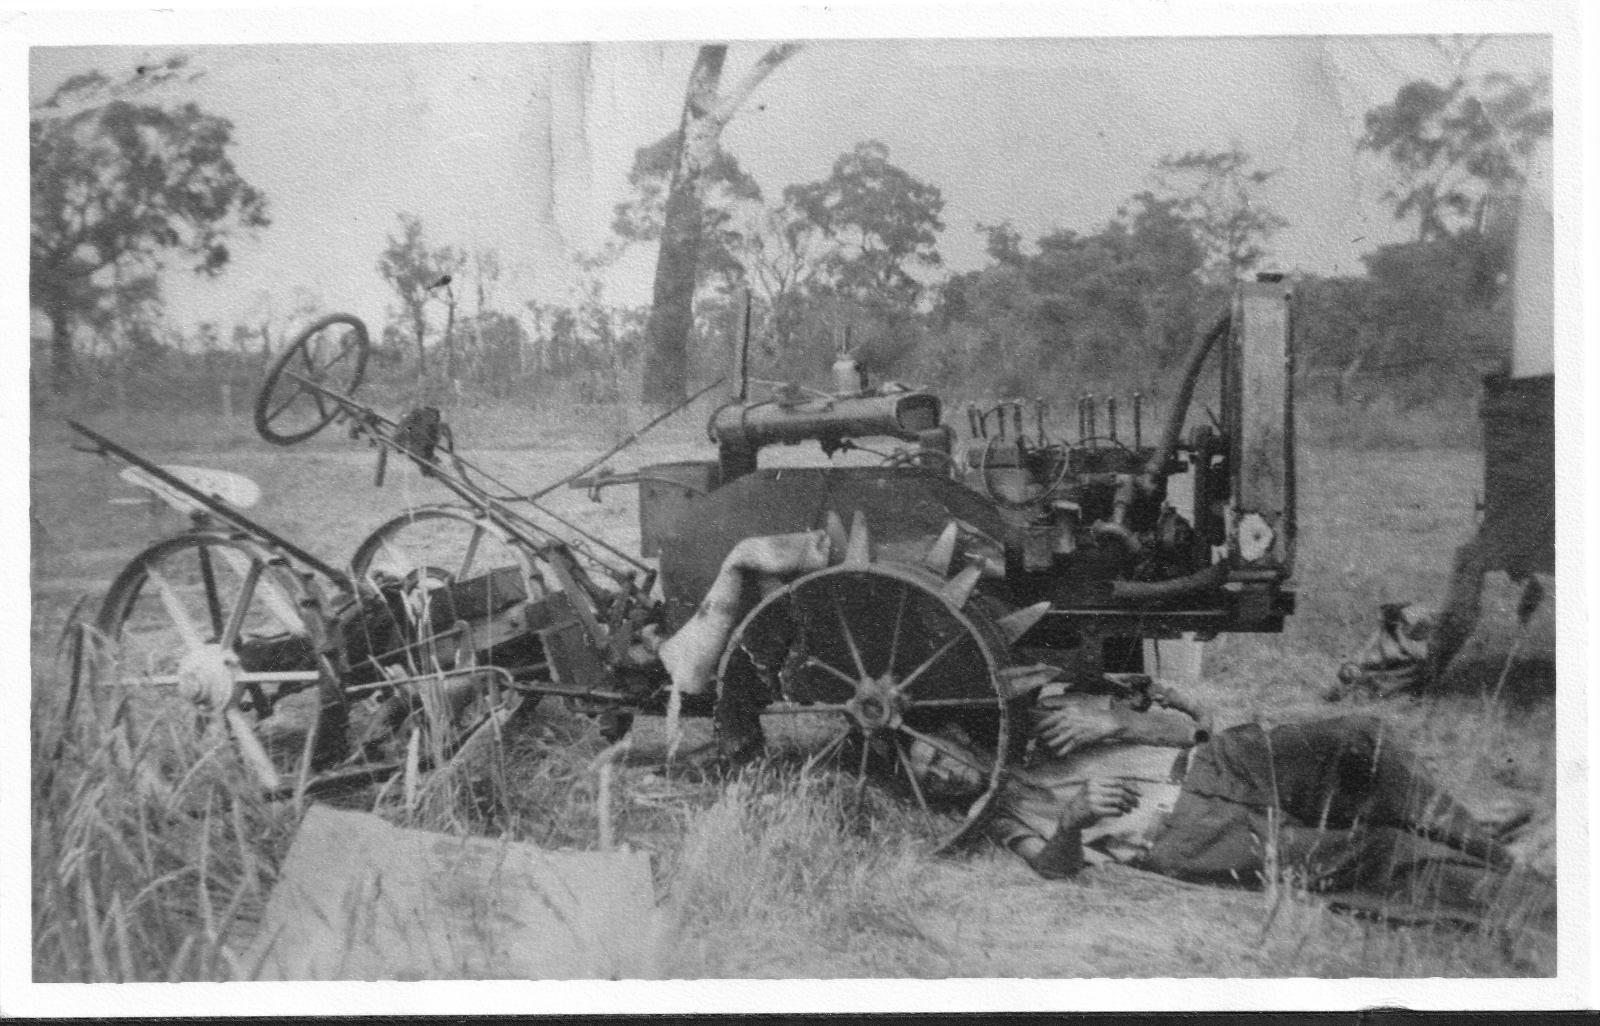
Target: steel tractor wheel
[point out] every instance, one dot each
(909, 669)
(220, 632)
(331, 352)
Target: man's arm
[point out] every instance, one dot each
(1062, 856)
(1182, 723)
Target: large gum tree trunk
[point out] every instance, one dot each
(666, 368)
(671, 318)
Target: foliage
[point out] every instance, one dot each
(881, 222)
(1214, 192)
(1429, 316)
(783, 257)
(1424, 323)
(416, 270)
(725, 187)
(833, 257)
(1116, 304)
(119, 186)
(1456, 147)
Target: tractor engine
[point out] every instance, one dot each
(1114, 529)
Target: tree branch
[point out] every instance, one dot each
(729, 104)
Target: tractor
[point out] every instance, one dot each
(916, 608)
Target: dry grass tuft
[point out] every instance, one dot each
(151, 857)
(787, 873)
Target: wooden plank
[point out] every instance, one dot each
(1262, 492)
(360, 899)
(1263, 396)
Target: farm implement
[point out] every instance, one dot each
(915, 609)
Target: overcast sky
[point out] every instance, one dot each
(524, 148)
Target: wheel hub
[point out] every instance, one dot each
(208, 676)
(877, 704)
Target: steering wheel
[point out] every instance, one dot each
(286, 411)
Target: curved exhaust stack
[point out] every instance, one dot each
(1172, 432)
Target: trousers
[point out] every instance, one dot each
(1343, 808)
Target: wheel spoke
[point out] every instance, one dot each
(861, 770)
(833, 671)
(282, 606)
(803, 709)
(899, 618)
(273, 413)
(254, 752)
(174, 607)
(911, 774)
(208, 577)
(849, 638)
(316, 374)
(955, 752)
(247, 593)
(827, 750)
(472, 550)
(920, 670)
(260, 677)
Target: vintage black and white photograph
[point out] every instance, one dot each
(793, 508)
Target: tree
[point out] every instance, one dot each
(1437, 329)
(725, 188)
(1004, 244)
(265, 319)
(1456, 147)
(782, 255)
(705, 114)
(1114, 305)
(415, 271)
(118, 186)
(880, 220)
(1215, 192)
(499, 341)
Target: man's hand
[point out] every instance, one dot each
(1069, 729)
(1101, 798)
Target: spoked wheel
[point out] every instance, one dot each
(333, 353)
(450, 565)
(220, 632)
(459, 586)
(908, 671)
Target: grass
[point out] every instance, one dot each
(149, 848)
(776, 874)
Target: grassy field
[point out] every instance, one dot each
(775, 875)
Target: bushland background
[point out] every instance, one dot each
(133, 185)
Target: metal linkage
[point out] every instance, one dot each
(222, 510)
(369, 423)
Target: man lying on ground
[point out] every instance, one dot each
(1338, 806)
